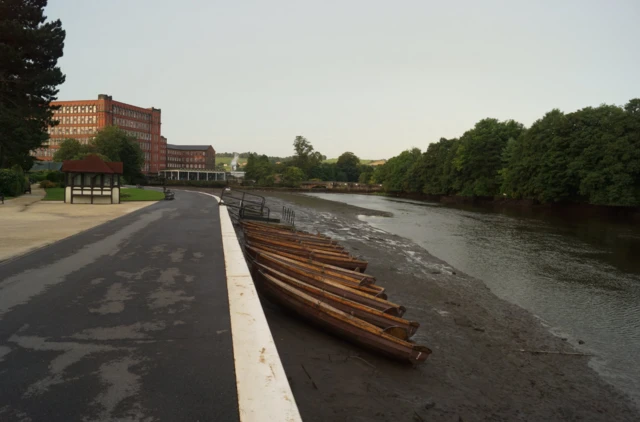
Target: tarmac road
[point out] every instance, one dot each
(127, 321)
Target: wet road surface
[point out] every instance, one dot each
(128, 321)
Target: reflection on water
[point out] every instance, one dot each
(580, 275)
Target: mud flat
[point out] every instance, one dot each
(477, 371)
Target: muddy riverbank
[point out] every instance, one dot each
(477, 370)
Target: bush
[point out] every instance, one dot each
(13, 182)
(55, 176)
(47, 184)
(39, 176)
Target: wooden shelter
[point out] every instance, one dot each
(92, 181)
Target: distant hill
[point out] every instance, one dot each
(226, 158)
(335, 160)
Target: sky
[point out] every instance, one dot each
(367, 76)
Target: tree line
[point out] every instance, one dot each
(273, 159)
(589, 156)
(305, 164)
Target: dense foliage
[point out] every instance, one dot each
(588, 156)
(29, 51)
(13, 181)
(305, 164)
(110, 144)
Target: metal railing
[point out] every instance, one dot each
(288, 216)
(245, 205)
(249, 206)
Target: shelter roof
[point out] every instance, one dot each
(91, 164)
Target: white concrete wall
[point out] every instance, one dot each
(83, 196)
(264, 394)
(97, 200)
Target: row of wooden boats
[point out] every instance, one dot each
(314, 276)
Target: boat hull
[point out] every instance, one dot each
(340, 323)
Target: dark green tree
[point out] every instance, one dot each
(324, 171)
(588, 156)
(71, 149)
(394, 173)
(114, 143)
(437, 167)
(478, 157)
(305, 158)
(293, 176)
(260, 169)
(366, 174)
(349, 164)
(29, 51)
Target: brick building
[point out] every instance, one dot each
(162, 147)
(201, 157)
(83, 119)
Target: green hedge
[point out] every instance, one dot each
(52, 176)
(13, 182)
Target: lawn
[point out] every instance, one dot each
(54, 194)
(140, 195)
(57, 194)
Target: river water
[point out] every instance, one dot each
(581, 276)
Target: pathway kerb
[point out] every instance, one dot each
(263, 389)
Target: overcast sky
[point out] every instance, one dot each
(367, 76)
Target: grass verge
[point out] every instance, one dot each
(54, 194)
(140, 195)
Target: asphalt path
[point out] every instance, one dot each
(128, 321)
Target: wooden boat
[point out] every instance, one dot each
(317, 278)
(291, 235)
(279, 228)
(361, 278)
(320, 245)
(338, 260)
(396, 326)
(297, 244)
(348, 326)
(351, 291)
(344, 275)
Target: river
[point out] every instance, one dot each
(581, 276)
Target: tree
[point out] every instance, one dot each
(348, 164)
(366, 174)
(324, 171)
(70, 149)
(293, 176)
(437, 163)
(115, 144)
(29, 76)
(305, 157)
(591, 155)
(260, 169)
(479, 156)
(393, 174)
